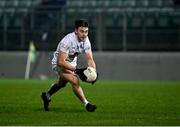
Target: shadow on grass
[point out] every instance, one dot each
(58, 109)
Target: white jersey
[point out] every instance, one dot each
(70, 45)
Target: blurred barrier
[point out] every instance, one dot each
(110, 65)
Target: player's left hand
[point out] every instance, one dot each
(79, 72)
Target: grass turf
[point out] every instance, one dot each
(118, 102)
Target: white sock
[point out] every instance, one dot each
(85, 102)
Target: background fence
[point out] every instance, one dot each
(115, 25)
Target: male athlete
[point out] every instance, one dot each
(64, 64)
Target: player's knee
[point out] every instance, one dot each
(75, 82)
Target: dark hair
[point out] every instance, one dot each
(81, 22)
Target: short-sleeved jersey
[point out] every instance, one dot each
(70, 45)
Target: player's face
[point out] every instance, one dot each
(82, 33)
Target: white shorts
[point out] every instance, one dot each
(56, 69)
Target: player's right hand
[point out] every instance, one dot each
(96, 78)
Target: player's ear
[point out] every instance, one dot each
(75, 30)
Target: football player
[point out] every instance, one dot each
(64, 64)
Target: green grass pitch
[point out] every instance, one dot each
(118, 103)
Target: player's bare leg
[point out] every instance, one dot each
(74, 80)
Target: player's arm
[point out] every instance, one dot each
(62, 56)
(90, 59)
(91, 62)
